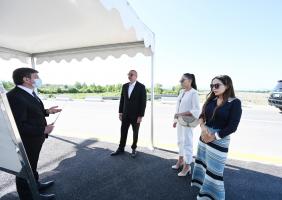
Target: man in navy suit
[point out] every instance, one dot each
(29, 114)
(131, 111)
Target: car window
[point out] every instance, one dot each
(278, 87)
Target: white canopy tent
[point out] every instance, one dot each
(37, 31)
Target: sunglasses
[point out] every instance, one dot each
(216, 86)
(130, 75)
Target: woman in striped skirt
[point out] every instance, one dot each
(220, 118)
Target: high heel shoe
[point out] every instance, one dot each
(184, 173)
(177, 165)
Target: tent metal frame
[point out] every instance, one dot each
(26, 170)
(31, 58)
(93, 49)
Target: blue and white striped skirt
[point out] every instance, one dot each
(209, 168)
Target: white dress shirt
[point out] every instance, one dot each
(130, 88)
(28, 90)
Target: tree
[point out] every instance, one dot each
(158, 89)
(78, 85)
(8, 85)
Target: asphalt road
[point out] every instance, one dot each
(84, 170)
(257, 138)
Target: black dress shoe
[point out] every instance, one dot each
(44, 186)
(133, 154)
(47, 196)
(117, 152)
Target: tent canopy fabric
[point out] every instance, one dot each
(71, 29)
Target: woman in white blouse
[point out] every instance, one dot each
(187, 105)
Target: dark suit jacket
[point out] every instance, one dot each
(28, 112)
(134, 106)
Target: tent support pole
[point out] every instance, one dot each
(152, 102)
(28, 175)
(32, 62)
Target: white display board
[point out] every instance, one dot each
(13, 158)
(9, 157)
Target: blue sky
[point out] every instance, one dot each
(241, 38)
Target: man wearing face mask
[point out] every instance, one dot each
(29, 114)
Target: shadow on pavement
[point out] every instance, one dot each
(93, 174)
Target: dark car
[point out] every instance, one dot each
(275, 98)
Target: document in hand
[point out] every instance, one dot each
(57, 118)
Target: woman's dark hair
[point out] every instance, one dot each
(228, 93)
(20, 73)
(192, 78)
